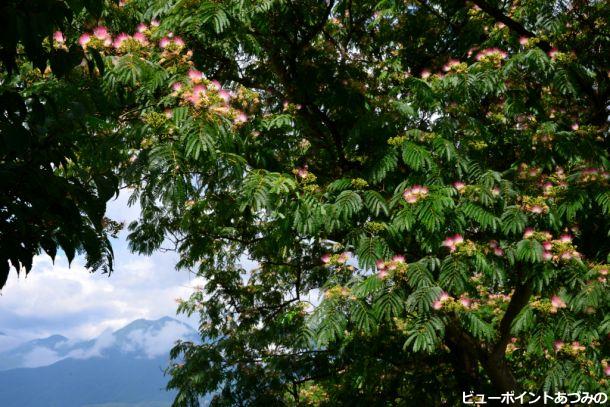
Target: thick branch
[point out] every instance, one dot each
(518, 301)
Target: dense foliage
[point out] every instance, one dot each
(57, 149)
(424, 186)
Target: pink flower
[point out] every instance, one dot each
(199, 90)
(84, 39)
(448, 242)
(450, 64)
(179, 42)
(437, 305)
(459, 186)
(342, 258)
(177, 86)
(58, 37)
(325, 258)
(575, 126)
(425, 74)
(458, 239)
(118, 41)
(302, 172)
(224, 95)
(382, 274)
(603, 271)
(154, 23)
(141, 38)
(195, 75)
(576, 346)
(100, 32)
(537, 209)
(557, 345)
(495, 191)
(466, 302)
(607, 370)
(493, 244)
(443, 297)
(553, 53)
(529, 232)
(557, 302)
(241, 118)
(168, 113)
(398, 258)
(491, 52)
(409, 197)
(566, 256)
(164, 42)
(547, 246)
(380, 264)
(141, 27)
(546, 256)
(215, 85)
(523, 40)
(565, 238)
(498, 252)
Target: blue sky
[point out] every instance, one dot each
(57, 299)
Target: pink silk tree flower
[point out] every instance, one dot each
(224, 95)
(101, 32)
(58, 37)
(120, 39)
(84, 39)
(164, 42)
(141, 38)
(179, 42)
(195, 75)
(398, 258)
(241, 118)
(558, 302)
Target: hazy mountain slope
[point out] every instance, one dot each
(117, 369)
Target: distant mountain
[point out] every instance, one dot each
(117, 369)
(141, 338)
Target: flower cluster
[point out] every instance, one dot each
(555, 250)
(491, 54)
(196, 91)
(453, 242)
(495, 248)
(441, 300)
(415, 193)
(396, 263)
(573, 348)
(335, 259)
(526, 171)
(452, 64)
(338, 292)
(594, 174)
(459, 186)
(557, 303)
(444, 300)
(536, 205)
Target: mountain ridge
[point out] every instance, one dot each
(122, 368)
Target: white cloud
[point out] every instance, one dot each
(68, 300)
(156, 343)
(40, 356)
(104, 341)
